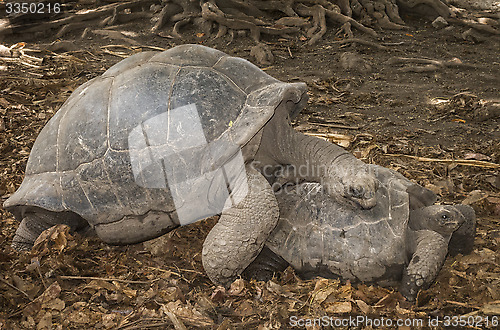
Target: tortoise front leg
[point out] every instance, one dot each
(34, 223)
(430, 252)
(239, 235)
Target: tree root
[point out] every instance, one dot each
(360, 41)
(428, 64)
(475, 25)
(319, 21)
(89, 15)
(441, 8)
(304, 19)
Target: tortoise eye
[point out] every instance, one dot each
(444, 216)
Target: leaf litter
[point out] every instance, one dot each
(68, 281)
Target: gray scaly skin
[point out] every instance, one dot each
(248, 224)
(34, 224)
(337, 170)
(321, 235)
(429, 233)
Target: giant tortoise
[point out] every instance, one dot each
(163, 139)
(404, 239)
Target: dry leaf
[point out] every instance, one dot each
(45, 322)
(364, 307)
(219, 294)
(237, 287)
(474, 197)
(125, 290)
(49, 294)
(274, 287)
(56, 237)
(323, 290)
(172, 293)
(491, 308)
(187, 313)
(245, 309)
(56, 304)
(4, 51)
(100, 284)
(339, 307)
(476, 156)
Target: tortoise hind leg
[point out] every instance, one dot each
(239, 235)
(265, 266)
(34, 223)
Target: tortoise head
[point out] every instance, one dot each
(444, 219)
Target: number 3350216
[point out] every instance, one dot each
(32, 8)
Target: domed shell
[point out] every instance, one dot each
(320, 235)
(111, 149)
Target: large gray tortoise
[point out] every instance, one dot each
(163, 139)
(403, 239)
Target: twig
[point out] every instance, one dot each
(457, 303)
(164, 270)
(335, 125)
(430, 65)
(65, 277)
(16, 288)
(175, 320)
(360, 41)
(465, 162)
(178, 269)
(132, 325)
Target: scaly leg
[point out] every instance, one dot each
(236, 240)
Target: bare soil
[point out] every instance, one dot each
(438, 123)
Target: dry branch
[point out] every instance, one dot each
(465, 162)
(428, 64)
(360, 41)
(86, 278)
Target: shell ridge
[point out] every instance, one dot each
(60, 189)
(139, 215)
(220, 59)
(108, 109)
(78, 167)
(77, 177)
(118, 198)
(170, 101)
(229, 79)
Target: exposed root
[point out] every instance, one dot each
(475, 25)
(346, 30)
(440, 7)
(360, 41)
(164, 15)
(89, 15)
(319, 21)
(428, 65)
(304, 19)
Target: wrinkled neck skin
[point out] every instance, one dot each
(314, 159)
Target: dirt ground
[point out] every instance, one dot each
(437, 123)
